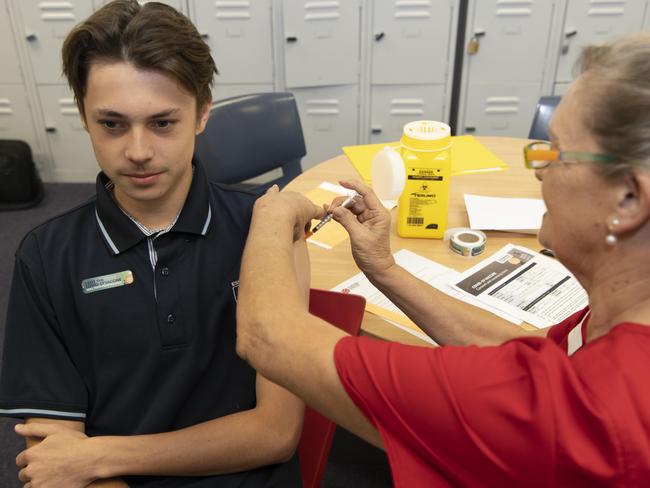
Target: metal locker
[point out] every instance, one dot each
(74, 159)
(177, 4)
(394, 106)
(321, 42)
(512, 37)
(240, 36)
(15, 117)
(10, 72)
(329, 118)
(595, 21)
(410, 41)
(221, 91)
(45, 25)
(501, 109)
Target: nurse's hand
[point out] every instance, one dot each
(368, 223)
(275, 208)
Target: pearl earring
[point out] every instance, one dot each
(610, 238)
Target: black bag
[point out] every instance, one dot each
(20, 185)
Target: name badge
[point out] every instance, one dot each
(99, 283)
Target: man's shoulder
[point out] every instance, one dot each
(234, 203)
(59, 229)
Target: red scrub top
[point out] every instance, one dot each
(525, 413)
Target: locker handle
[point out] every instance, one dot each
(205, 37)
(571, 33)
(31, 37)
(50, 130)
(376, 130)
(292, 39)
(470, 129)
(380, 36)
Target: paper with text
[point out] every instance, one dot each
(526, 284)
(436, 275)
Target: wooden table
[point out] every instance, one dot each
(329, 267)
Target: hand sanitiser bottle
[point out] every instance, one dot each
(422, 166)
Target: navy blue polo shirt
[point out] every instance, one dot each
(134, 334)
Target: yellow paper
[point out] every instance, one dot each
(403, 320)
(467, 156)
(331, 233)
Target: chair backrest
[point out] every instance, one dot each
(543, 113)
(345, 311)
(249, 135)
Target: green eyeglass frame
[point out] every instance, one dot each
(539, 154)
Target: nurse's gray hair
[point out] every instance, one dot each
(614, 89)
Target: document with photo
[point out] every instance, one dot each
(526, 284)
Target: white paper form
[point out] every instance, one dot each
(510, 214)
(535, 288)
(426, 270)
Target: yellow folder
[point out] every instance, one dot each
(467, 156)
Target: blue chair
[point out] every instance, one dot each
(249, 135)
(543, 113)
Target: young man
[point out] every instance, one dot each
(120, 342)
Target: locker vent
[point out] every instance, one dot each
(502, 105)
(514, 8)
(412, 9)
(232, 9)
(323, 10)
(56, 10)
(407, 106)
(68, 107)
(323, 106)
(597, 11)
(5, 106)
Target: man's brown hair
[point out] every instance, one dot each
(153, 36)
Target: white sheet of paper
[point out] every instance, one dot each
(511, 214)
(526, 284)
(428, 271)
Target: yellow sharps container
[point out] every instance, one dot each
(423, 205)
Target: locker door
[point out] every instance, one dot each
(410, 41)
(589, 22)
(46, 23)
(501, 109)
(74, 159)
(329, 119)
(321, 42)
(177, 4)
(394, 106)
(10, 72)
(15, 118)
(513, 40)
(239, 35)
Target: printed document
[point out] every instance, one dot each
(526, 284)
(436, 275)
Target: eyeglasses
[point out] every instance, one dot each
(540, 154)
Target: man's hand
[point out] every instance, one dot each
(60, 459)
(368, 223)
(293, 209)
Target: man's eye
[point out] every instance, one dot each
(110, 124)
(163, 124)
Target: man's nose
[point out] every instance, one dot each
(139, 147)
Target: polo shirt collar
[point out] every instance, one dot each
(121, 233)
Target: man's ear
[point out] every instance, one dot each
(203, 116)
(633, 201)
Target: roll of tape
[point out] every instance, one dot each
(466, 242)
